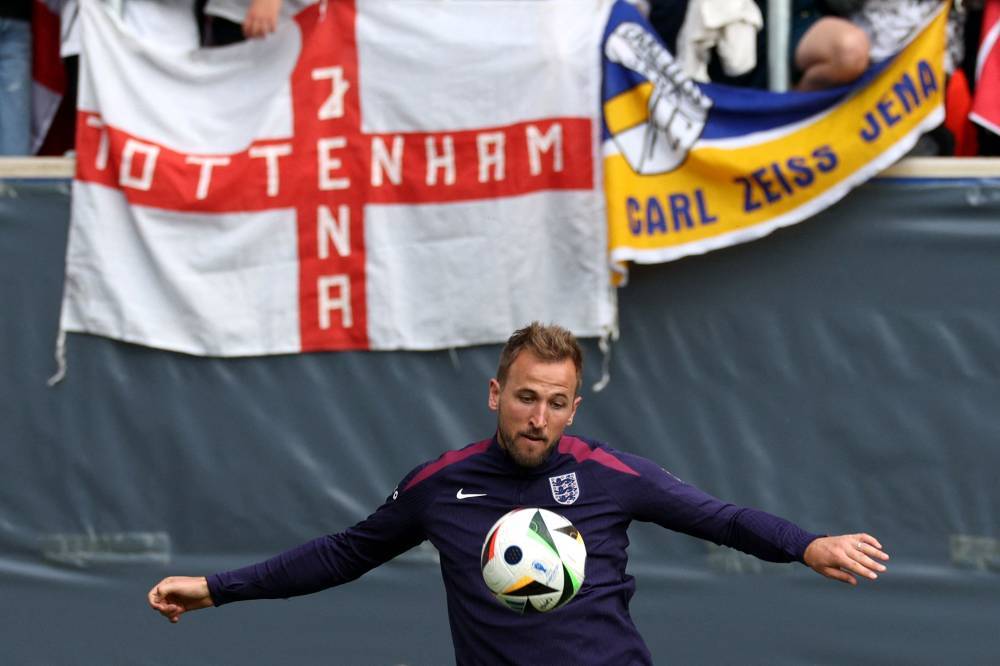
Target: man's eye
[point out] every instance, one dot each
(527, 398)
(558, 405)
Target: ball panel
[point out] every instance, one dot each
(540, 530)
(527, 587)
(570, 531)
(575, 580)
(568, 588)
(488, 546)
(512, 555)
(516, 605)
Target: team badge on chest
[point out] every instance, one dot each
(565, 488)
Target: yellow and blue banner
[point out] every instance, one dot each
(692, 167)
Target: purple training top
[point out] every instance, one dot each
(454, 500)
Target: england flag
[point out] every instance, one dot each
(378, 174)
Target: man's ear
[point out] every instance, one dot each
(494, 397)
(576, 403)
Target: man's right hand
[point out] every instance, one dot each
(261, 18)
(175, 595)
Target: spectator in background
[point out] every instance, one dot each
(668, 17)
(231, 21)
(826, 49)
(171, 24)
(729, 27)
(890, 24)
(15, 77)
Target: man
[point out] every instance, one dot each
(453, 501)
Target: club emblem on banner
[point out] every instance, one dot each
(565, 488)
(677, 109)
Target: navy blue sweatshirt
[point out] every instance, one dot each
(455, 499)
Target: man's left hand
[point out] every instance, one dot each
(839, 557)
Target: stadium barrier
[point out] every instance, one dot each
(842, 373)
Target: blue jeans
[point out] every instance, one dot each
(15, 87)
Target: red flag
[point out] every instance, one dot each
(957, 105)
(986, 100)
(47, 72)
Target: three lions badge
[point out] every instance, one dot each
(565, 488)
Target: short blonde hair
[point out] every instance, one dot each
(550, 343)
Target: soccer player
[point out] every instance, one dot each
(529, 462)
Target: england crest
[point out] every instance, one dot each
(565, 488)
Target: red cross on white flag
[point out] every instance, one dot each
(377, 175)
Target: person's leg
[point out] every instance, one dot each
(15, 87)
(832, 52)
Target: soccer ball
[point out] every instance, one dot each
(533, 560)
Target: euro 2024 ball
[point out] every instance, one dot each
(533, 560)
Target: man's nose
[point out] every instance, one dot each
(539, 416)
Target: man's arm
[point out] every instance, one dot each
(322, 563)
(658, 496)
(330, 560)
(313, 566)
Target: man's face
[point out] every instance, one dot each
(535, 404)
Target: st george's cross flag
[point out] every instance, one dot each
(379, 174)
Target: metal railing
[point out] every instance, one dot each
(22, 168)
(778, 24)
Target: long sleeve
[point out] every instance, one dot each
(657, 496)
(328, 560)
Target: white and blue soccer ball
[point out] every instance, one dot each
(533, 560)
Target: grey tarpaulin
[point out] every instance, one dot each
(844, 373)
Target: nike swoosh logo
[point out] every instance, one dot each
(464, 495)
